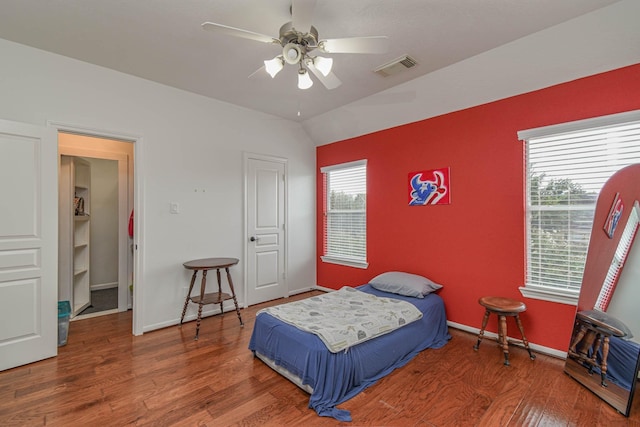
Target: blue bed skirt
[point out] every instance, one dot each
(337, 377)
(621, 362)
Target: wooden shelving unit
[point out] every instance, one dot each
(81, 235)
(74, 242)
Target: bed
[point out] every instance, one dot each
(622, 362)
(332, 378)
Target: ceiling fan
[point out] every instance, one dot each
(298, 39)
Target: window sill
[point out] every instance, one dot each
(552, 295)
(344, 261)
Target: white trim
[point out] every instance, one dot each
(595, 122)
(138, 206)
(300, 291)
(343, 261)
(560, 132)
(138, 237)
(353, 164)
(94, 314)
(337, 259)
(213, 310)
(553, 295)
(535, 347)
(102, 286)
(95, 132)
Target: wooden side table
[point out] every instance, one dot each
(203, 298)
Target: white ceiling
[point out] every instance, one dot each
(162, 41)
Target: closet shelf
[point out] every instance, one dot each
(79, 271)
(74, 256)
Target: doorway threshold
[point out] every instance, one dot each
(96, 314)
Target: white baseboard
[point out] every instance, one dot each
(214, 311)
(230, 309)
(300, 291)
(538, 348)
(95, 314)
(101, 286)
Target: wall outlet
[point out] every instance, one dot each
(174, 208)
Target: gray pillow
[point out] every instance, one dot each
(407, 284)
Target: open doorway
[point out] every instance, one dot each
(95, 206)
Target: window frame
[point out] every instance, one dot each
(337, 259)
(537, 291)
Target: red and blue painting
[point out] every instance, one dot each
(429, 187)
(614, 216)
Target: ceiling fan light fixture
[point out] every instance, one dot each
(292, 53)
(299, 40)
(304, 81)
(323, 64)
(274, 66)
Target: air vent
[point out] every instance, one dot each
(395, 66)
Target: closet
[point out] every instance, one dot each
(74, 229)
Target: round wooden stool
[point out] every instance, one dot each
(503, 307)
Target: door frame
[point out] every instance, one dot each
(138, 205)
(268, 158)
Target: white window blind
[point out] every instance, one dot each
(567, 165)
(345, 216)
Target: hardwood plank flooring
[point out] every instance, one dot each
(105, 376)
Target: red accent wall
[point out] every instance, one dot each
(476, 245)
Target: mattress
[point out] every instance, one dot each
(333, 378)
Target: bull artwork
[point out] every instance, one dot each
(429, 191)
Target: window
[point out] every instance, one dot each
(345, 214)
(567, 165)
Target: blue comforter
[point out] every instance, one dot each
(337, 377)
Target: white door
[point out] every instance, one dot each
(28, 243)
(265, 229)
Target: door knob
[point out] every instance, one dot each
(253, 238)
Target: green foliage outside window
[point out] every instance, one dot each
(561, 220)
(347, 224)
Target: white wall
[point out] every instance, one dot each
(191, 153)
(104, 222)
(599, 41)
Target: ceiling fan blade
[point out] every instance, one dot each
(237, 32)
(302, 14)
(259, 71)
(330, 81)
(373, 44)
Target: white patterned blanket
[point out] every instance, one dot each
(346, 317)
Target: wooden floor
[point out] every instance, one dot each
(105, 376)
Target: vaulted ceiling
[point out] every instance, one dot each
(163, 41)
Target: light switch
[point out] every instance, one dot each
(174, 208)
